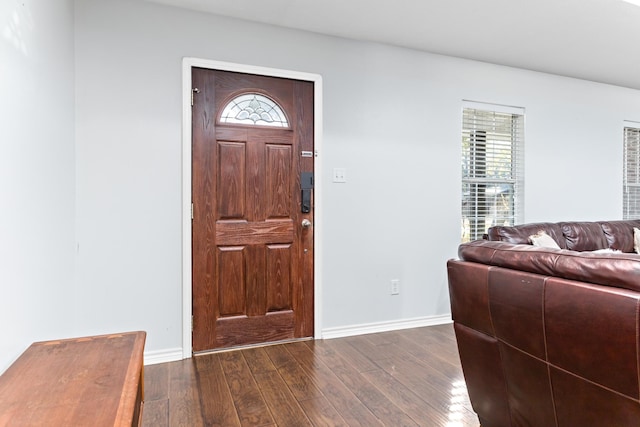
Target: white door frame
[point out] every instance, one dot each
(187, 65)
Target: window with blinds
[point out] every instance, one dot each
(492, 169)
(631, 173)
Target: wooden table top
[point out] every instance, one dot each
(90, 381)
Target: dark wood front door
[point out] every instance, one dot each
(252, 255)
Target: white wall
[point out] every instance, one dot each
(391, 117)
(37, 167)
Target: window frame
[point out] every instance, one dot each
(631, 169)
(489, 131)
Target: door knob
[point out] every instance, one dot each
(306, 223)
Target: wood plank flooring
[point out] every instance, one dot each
(410, 377)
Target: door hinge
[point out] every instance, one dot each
(194, 91)
(192, 211)
(192, 323)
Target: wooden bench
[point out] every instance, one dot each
(91, 381)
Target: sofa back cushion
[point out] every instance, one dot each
(519, 234)
(619, 234)
(583, 236)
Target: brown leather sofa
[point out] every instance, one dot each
(550, 337)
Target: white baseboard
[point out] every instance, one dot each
(174, 354)
(162, 356)
(394, 325)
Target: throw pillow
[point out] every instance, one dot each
(543, 240)
(636, 239)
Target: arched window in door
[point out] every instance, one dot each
(254, 109)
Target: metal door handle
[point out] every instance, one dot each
(306, 223)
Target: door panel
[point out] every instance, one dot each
(252, 259)
(279, 288)
(278, 191)
(231, 280)
(231, 180)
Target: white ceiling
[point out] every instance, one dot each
(596, 40)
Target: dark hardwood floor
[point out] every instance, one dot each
(402, 378)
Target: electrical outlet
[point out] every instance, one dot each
(339, 175)
(395, 287)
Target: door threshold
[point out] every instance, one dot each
(246, 346)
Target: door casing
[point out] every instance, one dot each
(187, 65)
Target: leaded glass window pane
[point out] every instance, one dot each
(254, 109)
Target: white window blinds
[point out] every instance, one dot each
(492, 170)
(631, 173)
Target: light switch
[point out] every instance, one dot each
(339, 175)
